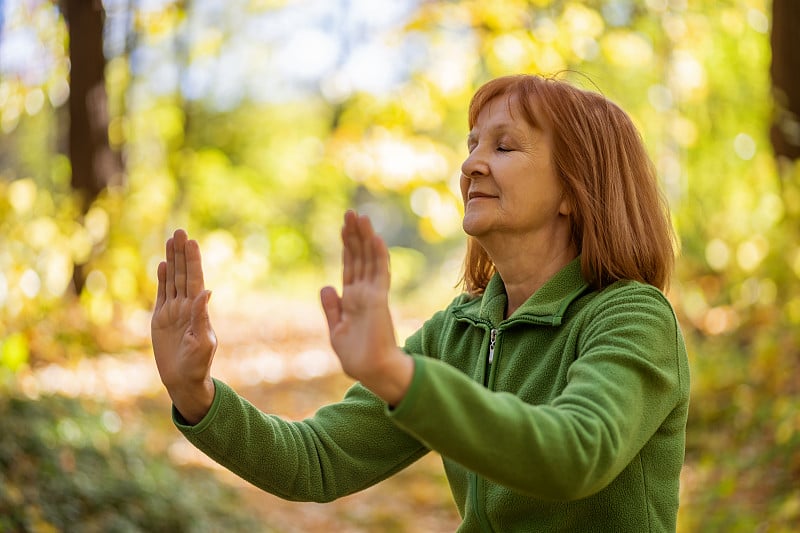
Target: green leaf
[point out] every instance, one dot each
(14, 352)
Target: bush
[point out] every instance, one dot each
(61, 469)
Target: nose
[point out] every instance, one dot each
(474, 166)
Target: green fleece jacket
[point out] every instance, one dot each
(569, 415)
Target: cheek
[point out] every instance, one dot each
(464, 187)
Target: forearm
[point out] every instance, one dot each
(344, 448)
(562, 451)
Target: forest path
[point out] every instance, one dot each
(276, 354)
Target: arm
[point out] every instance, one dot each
(628, 379)
(345, 447)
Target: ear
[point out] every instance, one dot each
(565, 207)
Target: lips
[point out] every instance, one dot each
(477, 194)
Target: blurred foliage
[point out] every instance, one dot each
(65, 466)
(261, 174)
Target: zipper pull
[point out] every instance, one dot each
(492, 338)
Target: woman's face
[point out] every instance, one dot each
(508, 182)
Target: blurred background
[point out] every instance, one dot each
(254, 124)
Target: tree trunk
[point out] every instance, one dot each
(785, 72)
(95, 166)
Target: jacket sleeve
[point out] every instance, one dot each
(345, 447)
(629, 375)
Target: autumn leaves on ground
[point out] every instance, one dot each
(280, 360)
(275, 353)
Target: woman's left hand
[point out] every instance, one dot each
(359, 322)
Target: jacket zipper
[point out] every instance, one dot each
(492, 339)
(476, 488)
(476, 483)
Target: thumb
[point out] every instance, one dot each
(200, 319)
(332, 305)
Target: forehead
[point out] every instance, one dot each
(504, 112)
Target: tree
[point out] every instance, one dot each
(95, 165)
(785, 72)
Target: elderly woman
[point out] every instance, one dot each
(555, 387)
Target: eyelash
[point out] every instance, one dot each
(500, 148)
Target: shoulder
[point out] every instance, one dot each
(628, 292)
(629, 306)
(634, 318)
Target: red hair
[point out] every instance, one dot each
(620, 221)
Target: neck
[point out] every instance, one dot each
(525, 267)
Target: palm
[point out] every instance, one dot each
(365, 326)
(183, 340)
(173, 333)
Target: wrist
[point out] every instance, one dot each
(392, 382)
(193, 403)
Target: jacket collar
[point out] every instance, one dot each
(545, 306)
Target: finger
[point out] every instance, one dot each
(194, 270)
(366, 234)
(332, 305)
(354, 244)
(179, 242)
(348, 256)
(170, 281)
(382, 272)
(161, 293)
(347, 265)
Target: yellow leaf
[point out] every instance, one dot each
(14, 352)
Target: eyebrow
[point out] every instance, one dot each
(501, 127)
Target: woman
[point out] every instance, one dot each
(555, 387)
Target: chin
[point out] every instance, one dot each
(473, 227)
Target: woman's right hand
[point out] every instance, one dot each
(183, 339)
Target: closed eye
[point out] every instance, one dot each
(502, 148)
